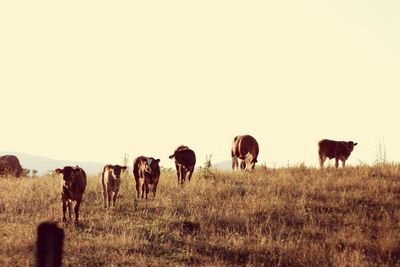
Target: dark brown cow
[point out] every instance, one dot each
(147, 169)
(111, 181)
(340, 150)
(10, 166)
(72, 189)
(185, 160)
(244, 149)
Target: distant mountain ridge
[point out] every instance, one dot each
(44, 165)
(224, 165)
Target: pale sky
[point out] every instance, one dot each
(92, 80)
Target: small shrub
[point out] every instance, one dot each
(206, 171)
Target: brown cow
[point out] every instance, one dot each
(185, 160)
(111, 180)
(9, 165)
(72, 189)
(147, 169)
(340, 150)
(244, 149)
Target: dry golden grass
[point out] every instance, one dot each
(294, 216)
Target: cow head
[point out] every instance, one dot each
(350, 146)
(248, 163)
(149, 165)
(68, 174)
(116, 170)
(249, 166)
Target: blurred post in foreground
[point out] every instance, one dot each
(49, 245)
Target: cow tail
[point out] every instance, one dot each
(135, 170)
(102, 173)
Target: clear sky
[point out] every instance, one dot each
(92, 80)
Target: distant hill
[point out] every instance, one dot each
(43, 165)
(224, 165)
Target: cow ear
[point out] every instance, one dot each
(157, 160)
(108, 166)
(124, 168)
(59, 171)
(355, 144)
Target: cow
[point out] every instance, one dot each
(244, 152)
(10, 166)
(72, 188)
(340, 150)
(146, 168)
(185, 160)
(111, 180)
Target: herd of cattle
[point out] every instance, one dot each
(146, 170)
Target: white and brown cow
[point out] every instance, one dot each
(244, 152)
(146, 171)
(72, 189)
(185, 160)
(111, 181)
(340, 150)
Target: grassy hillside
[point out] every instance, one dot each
(281, 217)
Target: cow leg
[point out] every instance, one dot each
(76, 209)
(104, 198)
(343, 163)
(109, 199)
(190, 174)
(321, 161)
(146, 186)
(64, 209)
(69, 209)
(154, 189)
(183, 173)
(234, 163)
(180, 179)
(253, 165)
(115, 198)
(242, 165)
(178, 172)
(143, 189)
(336, 163)
(137, 188)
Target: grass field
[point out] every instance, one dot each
(295, 216)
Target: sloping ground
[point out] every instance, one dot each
(282, 217)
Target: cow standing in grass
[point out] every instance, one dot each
(340, 150)
(72, 189)
(147, 170)
(185, 160)
(111, 181)
(244, 152)
(9, 165)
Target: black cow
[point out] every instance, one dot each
(72, 189)
(185, 160)
(147, 169)
(340, 150)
